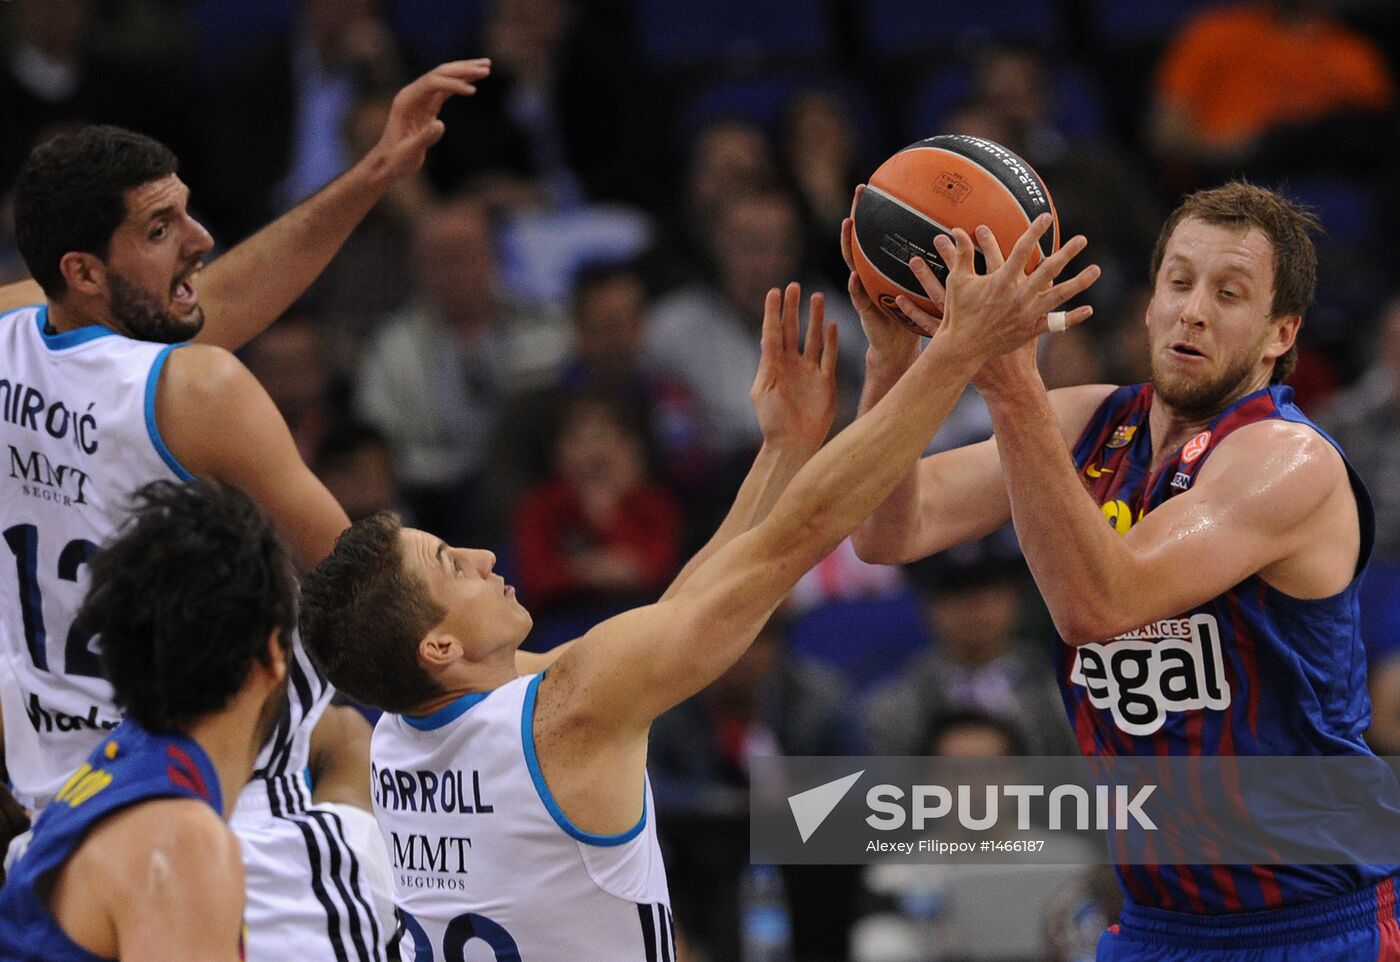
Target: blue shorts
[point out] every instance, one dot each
(1360, 927)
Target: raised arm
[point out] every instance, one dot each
(218, 422)
(794, 398)
(339, 758)
(956, 495)
(631, 668)
(252, 284)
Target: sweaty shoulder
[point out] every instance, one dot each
(157, 857)
(1285, 482)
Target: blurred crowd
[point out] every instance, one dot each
(544, 343)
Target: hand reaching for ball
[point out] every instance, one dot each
(890, 342)
(794, 392)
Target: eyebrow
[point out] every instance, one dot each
(160, 212)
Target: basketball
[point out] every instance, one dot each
(927, 189)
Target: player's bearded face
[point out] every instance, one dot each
(147, 316)
(1199, 395)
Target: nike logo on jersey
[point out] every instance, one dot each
(1171, 665)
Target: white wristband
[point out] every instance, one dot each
(1056, 321)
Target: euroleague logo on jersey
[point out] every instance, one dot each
(1196, 447)
(1171, 665)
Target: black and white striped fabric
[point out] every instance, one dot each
(308, 895)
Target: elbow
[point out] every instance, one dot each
(876, 550)
(1084, 624)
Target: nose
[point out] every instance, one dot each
(480, 559)
(1193, 312)
(199, 241)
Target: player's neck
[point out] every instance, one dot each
(465, 678)
(228, 738)
(69, 317)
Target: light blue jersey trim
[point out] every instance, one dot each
(448, 713)
(152, 382)
(527, 738)
(81, 335)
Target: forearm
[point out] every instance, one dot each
(860, 468)
(250, 286)
(883, 538)
(1075, 557)
(773, 469)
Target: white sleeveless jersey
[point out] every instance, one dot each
(485, 864)
(78, 434)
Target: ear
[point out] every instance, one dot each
(84, 273)
(1285, 333)
(438, 650)
(276, 656)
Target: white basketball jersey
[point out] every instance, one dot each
(486, 867)
(79, 436)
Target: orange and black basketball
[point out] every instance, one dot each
(927, 189)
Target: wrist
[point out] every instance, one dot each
(890, 364)
(373, 172)
(788, 450)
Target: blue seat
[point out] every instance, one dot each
(903, 28)
(1079, 110)
(866, 640)
(675, 35)
(224, 28)
(435, 31)
(1119, 23)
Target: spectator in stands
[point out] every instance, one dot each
(291, 361)
(600, 535)
(821, 153)
(972, 595)
(370, 276)
(1097, 189)
(276, 130)
(434, 379)
(705, 335)
(1268, 86)
(52, 74)
(356, 465)
(767, 704)
(556, 126)
(610, 314)
(1366, 421)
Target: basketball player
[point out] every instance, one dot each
(98, 396)
(195, 602)
(500, 794)
(1203, 505)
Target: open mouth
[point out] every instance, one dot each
(1186, 350)
(182, 291)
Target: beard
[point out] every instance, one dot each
(145, 319)
(1199, 399)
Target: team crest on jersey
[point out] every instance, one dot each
(1195, 447)
(1122, 436)
(1171, 665)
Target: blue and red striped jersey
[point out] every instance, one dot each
(129, 766)
(1252, 671)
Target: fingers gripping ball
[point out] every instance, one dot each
(927, 189)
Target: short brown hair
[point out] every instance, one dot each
(1289, 229)
(363, 615)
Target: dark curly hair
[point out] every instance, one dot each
(363, 615)
(184, 599)
(70, 195)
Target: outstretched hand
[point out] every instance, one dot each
(413, 125)
(794, 392)
(1005, 308)
(888, 338)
